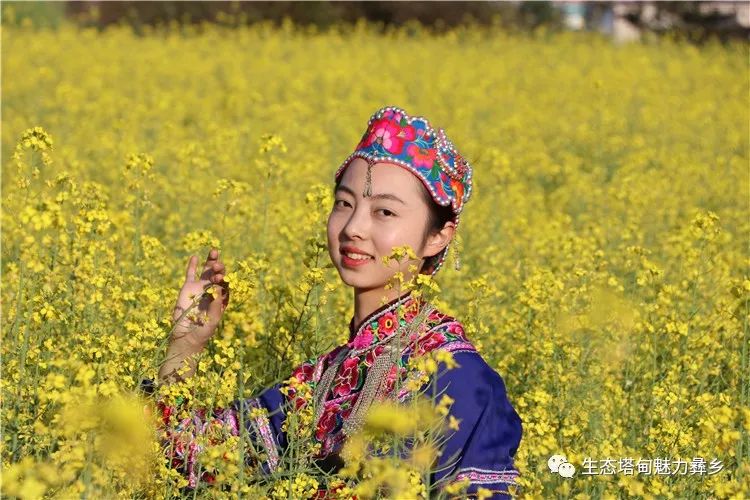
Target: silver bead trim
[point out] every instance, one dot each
(441, 140)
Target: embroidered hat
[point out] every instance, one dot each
(393, 136)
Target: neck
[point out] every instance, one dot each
(366, 301)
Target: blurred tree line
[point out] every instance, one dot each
(510, 15)
(689, 19)
(521, 15)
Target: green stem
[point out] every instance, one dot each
(742, 447)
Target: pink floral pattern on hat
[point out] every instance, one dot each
(393, 136)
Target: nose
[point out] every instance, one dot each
(358, 223)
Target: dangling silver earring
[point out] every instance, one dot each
(456, 256)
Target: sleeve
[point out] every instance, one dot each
(489, 429)
(263, 419)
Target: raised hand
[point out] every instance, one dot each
(194, 325)
(196, 315)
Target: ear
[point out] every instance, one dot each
(438, 241)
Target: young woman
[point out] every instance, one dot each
(405, 184)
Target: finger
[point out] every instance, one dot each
(213, 255)
(190, 271)
(217, 278)
(208, 266)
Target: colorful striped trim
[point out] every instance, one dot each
(459, 346)
(487, 476)
(263, 428)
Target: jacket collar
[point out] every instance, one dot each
(380, 323)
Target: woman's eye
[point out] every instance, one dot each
(336, 203)
(386, 212)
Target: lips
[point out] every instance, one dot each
(350, 249)
(355, 261)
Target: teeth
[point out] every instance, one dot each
(357, 256)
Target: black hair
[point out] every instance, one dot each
(439, 214)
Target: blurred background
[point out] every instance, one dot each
(624, 21)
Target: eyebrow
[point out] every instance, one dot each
(383, 196)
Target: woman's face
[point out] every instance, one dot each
(395, 215)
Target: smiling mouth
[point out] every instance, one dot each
(354, 259)
(356, 256)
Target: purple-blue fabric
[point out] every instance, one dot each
(489, 431)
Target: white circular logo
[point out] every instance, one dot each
(555, 461)
(560, 465)
(566, 470)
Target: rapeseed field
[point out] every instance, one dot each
(604, 254)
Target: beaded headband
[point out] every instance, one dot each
(392, 136)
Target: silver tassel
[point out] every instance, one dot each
(368, 181)
(456, 257)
